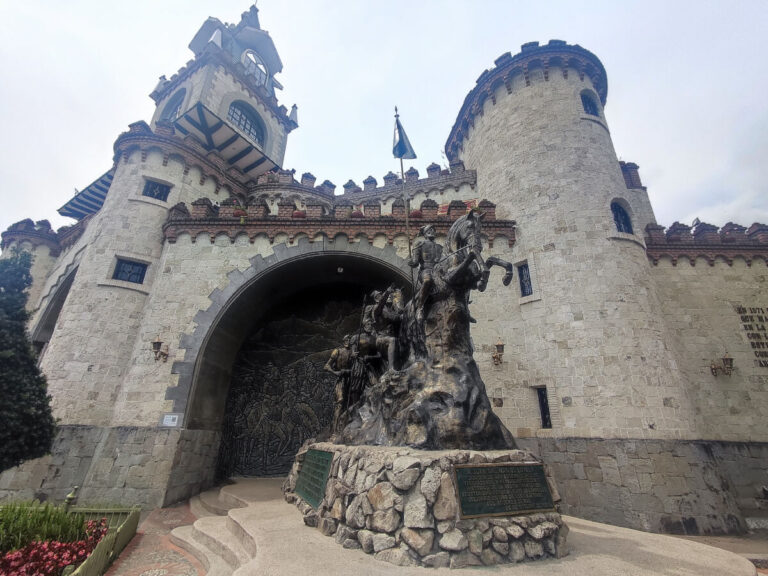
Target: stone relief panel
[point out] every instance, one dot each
(280, 395)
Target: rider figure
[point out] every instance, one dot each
(426, 253)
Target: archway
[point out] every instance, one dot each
(44, 329)
(293, 290)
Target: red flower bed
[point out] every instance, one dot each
(51, 557)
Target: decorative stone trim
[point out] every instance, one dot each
(705, 241)
(401, 506)
(202, 219)
(206, 320)
(599, 121)
(627, 238)
(140, 137)
(140, 288)
(555, 53)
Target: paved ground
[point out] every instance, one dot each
(753, 546)
(287, 547)
(151, 553)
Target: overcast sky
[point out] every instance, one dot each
(687, 87)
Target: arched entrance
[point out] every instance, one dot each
(258, 375)
(279, 393)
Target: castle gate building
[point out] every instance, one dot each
(184, 320)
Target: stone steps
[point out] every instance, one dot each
(184, 538)
(220, 542)
(213, 532)
(197, 508)
(212, 501)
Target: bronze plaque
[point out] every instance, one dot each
(504, 489)
(310, 484)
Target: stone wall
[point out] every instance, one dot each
(711, 310)
(131, 465)
(668, 486)
(194, 465)
(401, 505)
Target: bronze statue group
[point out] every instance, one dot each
(409, 358)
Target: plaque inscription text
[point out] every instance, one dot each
(310, 484)
(502, 489)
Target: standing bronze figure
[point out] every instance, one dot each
(340, 364)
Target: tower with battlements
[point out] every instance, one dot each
(183, 321)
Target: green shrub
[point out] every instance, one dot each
(28, 426)
(25, 522)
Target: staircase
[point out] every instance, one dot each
(220, 539)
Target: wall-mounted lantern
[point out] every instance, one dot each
(499, 354)
(161, 352)
(726, 368)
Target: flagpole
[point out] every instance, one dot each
(407, 212)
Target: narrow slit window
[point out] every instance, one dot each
(156, 190)
(128, 271)
(524, 274)
(546, 419)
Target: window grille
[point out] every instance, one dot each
(245, 118)
(173, 107)
(589, 104)
(130, 271)
(255, 65)
(524, 274)
(621, 218)
(156, 190)
(546, 418)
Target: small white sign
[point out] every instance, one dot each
(171, 420)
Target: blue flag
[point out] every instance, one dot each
(401, 147)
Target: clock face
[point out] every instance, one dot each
(255, 66)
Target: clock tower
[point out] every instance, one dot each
(225, 97)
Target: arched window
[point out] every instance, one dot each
(172, 109)
(589, 104)
(255, 65)
(621, 218)
(248, 120)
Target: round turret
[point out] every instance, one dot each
(584, 331)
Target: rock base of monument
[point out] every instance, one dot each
(401, 505)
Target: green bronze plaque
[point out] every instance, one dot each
(503, 489)
(310, 484)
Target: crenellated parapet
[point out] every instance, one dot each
(140, 138)
(555, 54)
(40, 233)
(233, 219)
(282, 184)
(437, 179)
(707, 241)
(35, 233)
